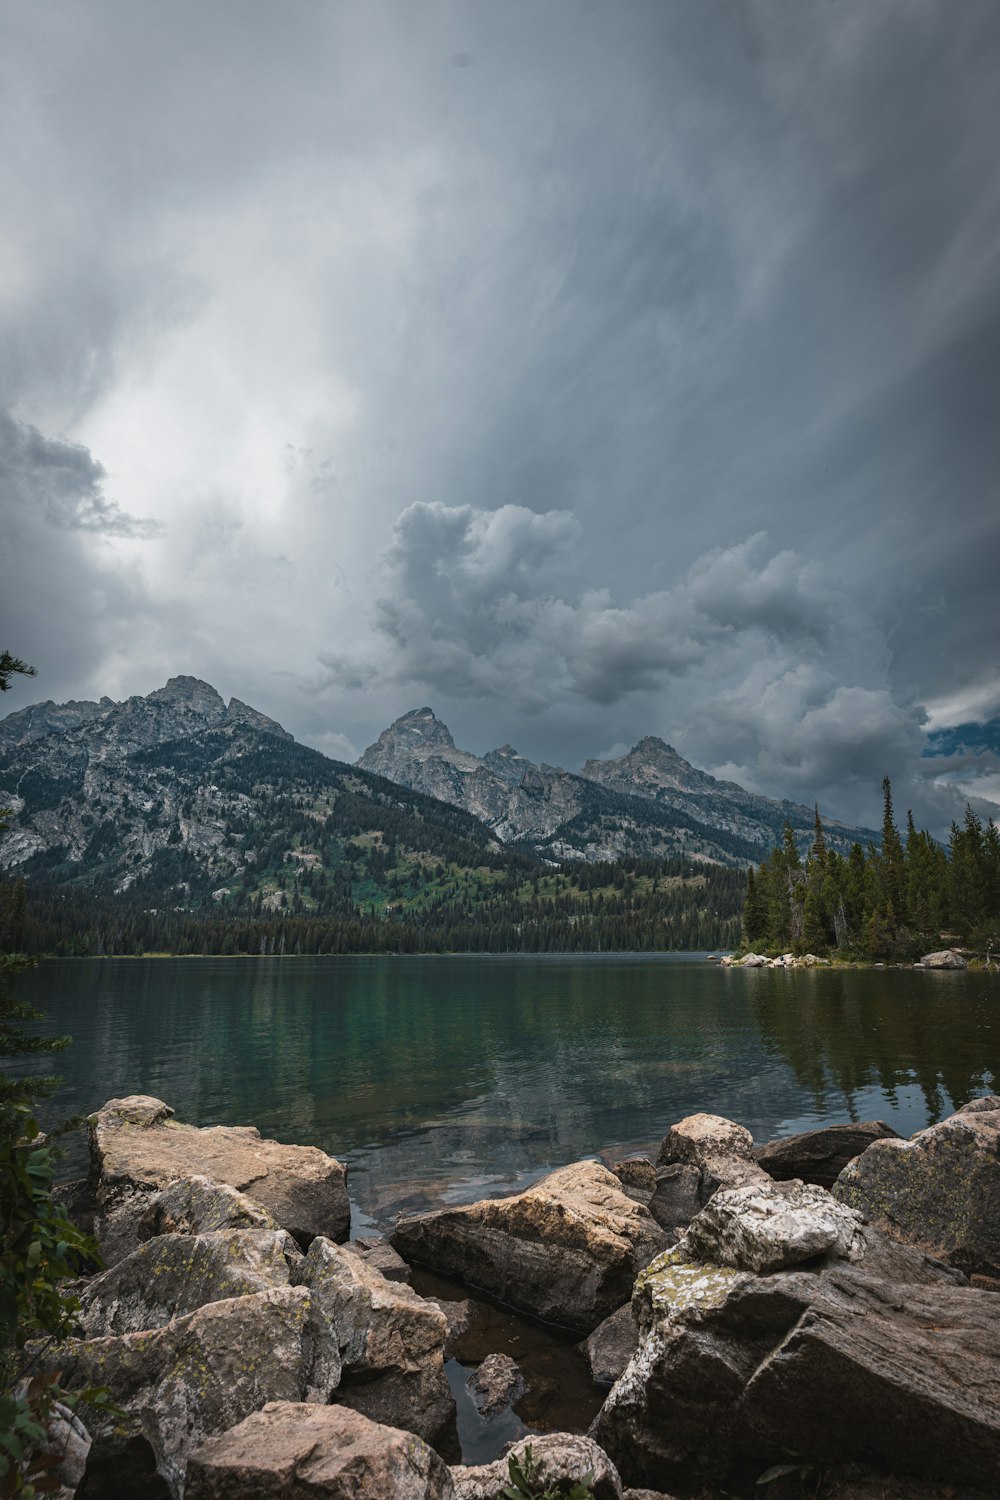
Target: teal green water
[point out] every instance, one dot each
(446, 1079)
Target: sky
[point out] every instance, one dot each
(582, 370)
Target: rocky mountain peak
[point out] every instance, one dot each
(419, 733)
(651, 746)
(192, 694)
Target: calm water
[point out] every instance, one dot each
(441, 1080)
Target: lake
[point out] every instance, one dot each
(445, 1079)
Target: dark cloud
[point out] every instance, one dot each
(593, 371)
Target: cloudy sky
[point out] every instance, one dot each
(584, 370)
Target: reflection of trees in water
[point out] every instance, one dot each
(843, 1032)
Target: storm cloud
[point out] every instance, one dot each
(591, 371)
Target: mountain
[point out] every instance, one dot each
(180, 795)
(177, 822)
(651, 802)
(653, 769)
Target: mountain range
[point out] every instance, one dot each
(650, 802)
(178, 796)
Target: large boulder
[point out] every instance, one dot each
(819, 1156)
(324, 1452)
(944, 958)
(566, 1250)
(939, 1191)
(873, 1354)
(137, 1149)
(175, 1274)
(380, 1343)
(198, 1375)
(563, 1459)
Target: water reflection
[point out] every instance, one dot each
(444, 1079)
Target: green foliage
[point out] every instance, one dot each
(527, 1482)
(39, 1249)
(886, 903)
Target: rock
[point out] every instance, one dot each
(174, 1274)
(753, 961)
(646, 1495)
(636, 1172)
(178, 1385)
(324, 1452)
(939, 1191)
(769, 1226)
(611, 1345)
(566, 1250)
(819, 1156)
(379, 1254)
(677, 1196)
(561, 1457)
(721, 1150)
(945, 958)
(387, 1341)
(496, 1384)
(197, 1205)
(835, 1365)
(137, 1149)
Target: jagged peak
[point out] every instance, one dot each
(651, 744)
(185, 689)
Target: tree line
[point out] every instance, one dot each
(889, 901)
(636, 905)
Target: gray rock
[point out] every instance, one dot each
(566, 1250)
(677, 1195)
(197, 1205)
(323, 1452)
(769, 1226)
(174, 1274)
(138, 1149)
(379, 1254)
(944, 958)
(819, 1156)
(496, 1384)
(196, 1376)
(386, 1342)
(718, 1149)
(611, 1345)
(562, 1457)
(836, 1365)
(938, 1191)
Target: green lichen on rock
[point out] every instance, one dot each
(671, 1285)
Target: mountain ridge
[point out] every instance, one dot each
(560, 812)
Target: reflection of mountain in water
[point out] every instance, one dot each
(447, 1079)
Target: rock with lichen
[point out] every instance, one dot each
(174, 1274)
(938, 1191)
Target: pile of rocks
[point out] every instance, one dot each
(830, 1298)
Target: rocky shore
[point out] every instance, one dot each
(821, 1313)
